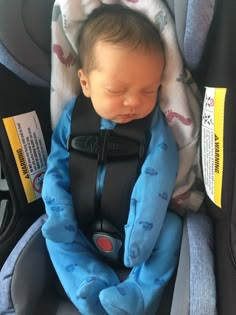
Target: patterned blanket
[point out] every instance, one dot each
(179, 97)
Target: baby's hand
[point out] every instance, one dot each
(136, 254)
(140, 238)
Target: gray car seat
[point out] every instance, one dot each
(28, 283)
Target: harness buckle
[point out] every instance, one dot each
(107, 245)
(108, 240)
(106, 145)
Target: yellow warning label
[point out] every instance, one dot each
(213, 142)
(219, 142)
(29, 150)
(19, 158)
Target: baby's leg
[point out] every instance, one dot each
(141, 292)
(82, 274)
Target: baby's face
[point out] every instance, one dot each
(124, 84)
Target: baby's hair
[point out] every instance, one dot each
(119, 25)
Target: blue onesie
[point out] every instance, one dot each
(152, 234)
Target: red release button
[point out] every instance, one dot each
(104, 244)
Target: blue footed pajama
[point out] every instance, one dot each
(152, 233)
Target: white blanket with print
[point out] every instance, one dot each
(179, 97)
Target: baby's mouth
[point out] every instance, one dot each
(126, 116)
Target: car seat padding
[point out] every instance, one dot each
(29, 42)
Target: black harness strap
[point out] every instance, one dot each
(122, 173)
(121, 151)
(83, 170)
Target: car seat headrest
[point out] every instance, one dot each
(25, 33)
(37, 19)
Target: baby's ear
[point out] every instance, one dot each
(84, 82)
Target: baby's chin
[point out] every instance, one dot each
(124, 119)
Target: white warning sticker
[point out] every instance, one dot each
(29, 150)
(213, 141)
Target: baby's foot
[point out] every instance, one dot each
(123, 299)
(87, 294)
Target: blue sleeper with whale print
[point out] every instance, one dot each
(152, 233)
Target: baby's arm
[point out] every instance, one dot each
(151, 194)
(61, 225)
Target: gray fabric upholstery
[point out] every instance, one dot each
(199, 18)
(29, 286)
(28, 276)
(25, 274)
(195, 287)
(51, 303)
(202, 276)
(192, 22)
(9, 62)
(27, 40)
(181, 296)
(179, 11)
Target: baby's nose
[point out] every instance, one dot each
(132, 100)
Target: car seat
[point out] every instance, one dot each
(28, 282)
